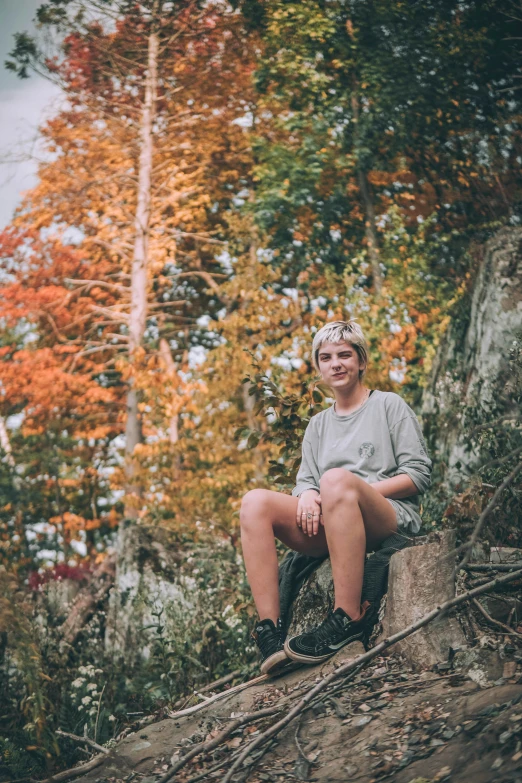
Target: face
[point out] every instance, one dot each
(339, 364)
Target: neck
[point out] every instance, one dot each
(347, 400)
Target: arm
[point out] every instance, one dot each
(400, 486)
(413, 472)
(307, 489)
(308, 473)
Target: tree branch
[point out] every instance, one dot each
(206, 747)
(468, 546)
(86, 740)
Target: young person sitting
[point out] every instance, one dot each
(364, 464)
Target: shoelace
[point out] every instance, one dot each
(331, 623)
(268, 640)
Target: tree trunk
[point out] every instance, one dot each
(138, 306)
(369, 211)
(370, 229)
(420, 579)
(5, 444)
(171, 370)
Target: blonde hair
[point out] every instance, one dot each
(341, 332)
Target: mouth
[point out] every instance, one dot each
(339, 375)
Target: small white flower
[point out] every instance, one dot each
(86, 700)
(77, 683)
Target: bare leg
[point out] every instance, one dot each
(356, 518)
(265, 516)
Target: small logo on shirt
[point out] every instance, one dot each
(366, 450)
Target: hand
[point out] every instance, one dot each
(308, 515)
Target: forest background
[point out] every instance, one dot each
(221, 180)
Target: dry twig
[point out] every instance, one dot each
(468, 546)
(207, 746)
(75, 772)
(492, 566)
(218, 696)
(85, 740)
(492, 619)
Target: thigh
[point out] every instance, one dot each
(283, 510)
(379, 516)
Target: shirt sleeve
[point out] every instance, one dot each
(308, 473)
(410, 450)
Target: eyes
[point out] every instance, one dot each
(324, 357)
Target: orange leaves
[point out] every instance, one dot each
(73, 523)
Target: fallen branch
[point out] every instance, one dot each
(357, 662)
(218, 696)
(492, 566)
(85, 740)
(222, 763)
(492, 619)
(222, 681)
(398, 687)
(206, 747)
(75, 772)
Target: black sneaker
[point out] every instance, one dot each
(328, 638)
(268, 638)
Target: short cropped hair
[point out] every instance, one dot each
(341, 332)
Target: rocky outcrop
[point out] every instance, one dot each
(388, 723)
(472, 362)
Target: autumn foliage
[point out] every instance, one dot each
(219, 182)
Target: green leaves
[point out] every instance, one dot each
(287, 416)
(24, 55)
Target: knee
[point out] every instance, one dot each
(338, 485)
(253, 507)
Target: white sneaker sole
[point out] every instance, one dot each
(311, 659)
(274, 663)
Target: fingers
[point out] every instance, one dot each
(315, 522)
(308, 519)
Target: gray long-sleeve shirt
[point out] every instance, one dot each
(381, 439)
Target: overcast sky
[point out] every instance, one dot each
(24, 105)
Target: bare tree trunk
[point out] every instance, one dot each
(367, 202)
(370, 229)
(5, 444)
(248, 400)
(138, 306)
(171, 369)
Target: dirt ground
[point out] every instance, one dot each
(387, 724)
